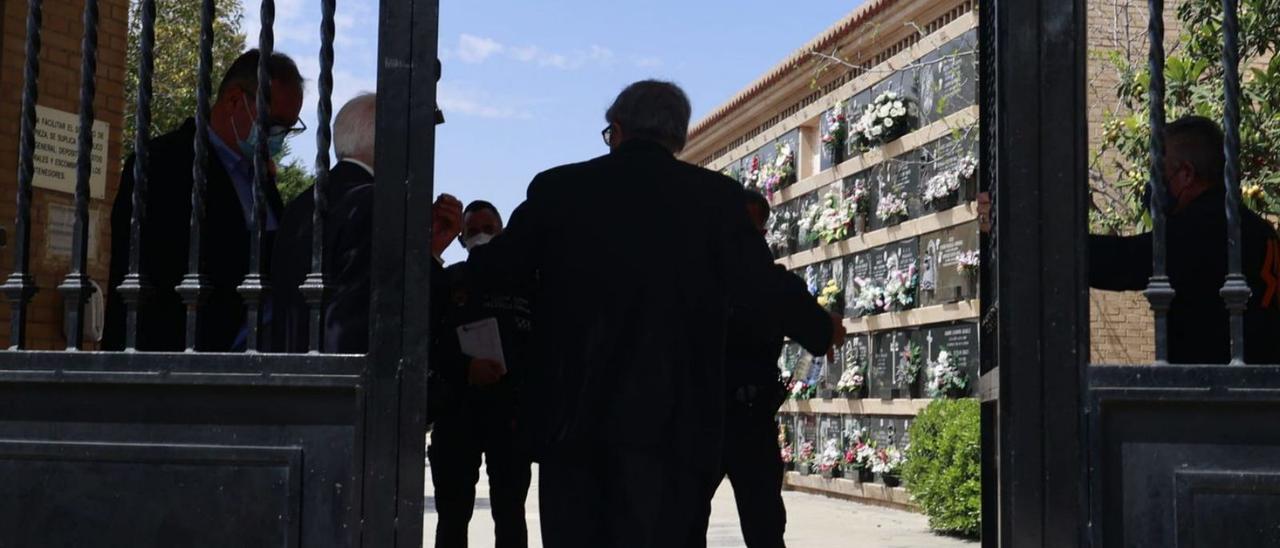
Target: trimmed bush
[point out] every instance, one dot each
(944, 466)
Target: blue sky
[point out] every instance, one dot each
(526, 83)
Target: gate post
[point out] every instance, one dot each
(1034, 133)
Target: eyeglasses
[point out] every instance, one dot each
(287, 131)
(607, 133)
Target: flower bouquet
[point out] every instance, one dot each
(870, 297)
(887, 118)
(888, 462)
(892, 208)
(907, 373)
(804, 461)
(862, 457)
(807, 224)
(859, 203)
(837, 133)
(967, 263)
(945, 377)
(852, 380)
(788, 459)
(943, 189)
(835, 221)
(754, 175)
(782, 173)
(832, 297)
(778, 232)
(829, 461)
(801, 390)
(899, 291)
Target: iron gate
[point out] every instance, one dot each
(1080, 454)
(254, 449)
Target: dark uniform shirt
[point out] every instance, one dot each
(757, 332)
(1199, 331)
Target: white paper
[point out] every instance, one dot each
(482, 340)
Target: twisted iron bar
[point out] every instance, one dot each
(313, 287)
(20, 287)
(1159, 291)
(254, 286)
(1235, 292)
(193, 287)
(134, 286)
(76, 288)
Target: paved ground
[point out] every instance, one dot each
(812, 522)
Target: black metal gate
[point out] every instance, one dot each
(254, 449)
(1080, 454)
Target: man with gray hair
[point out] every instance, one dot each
(623, 405)
(348, 242)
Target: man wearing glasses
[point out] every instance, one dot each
(233, 137)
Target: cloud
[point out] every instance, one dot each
(476, 49)
(646, 62)
(456, 99)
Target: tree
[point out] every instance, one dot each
(1194, 85)
(292, 178)
(177, 60)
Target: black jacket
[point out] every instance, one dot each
(757, 330)
(346, 263)
(1197, 265)
(224, 253)
(635, 257)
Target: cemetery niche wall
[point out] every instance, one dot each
(872, 187)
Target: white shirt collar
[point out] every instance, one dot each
(359, 163)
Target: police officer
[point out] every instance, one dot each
(751, 456)
(477, 416)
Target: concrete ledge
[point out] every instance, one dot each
(864, 406)
(851, 489)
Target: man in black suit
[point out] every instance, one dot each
(224, 253)
(348, 245)
(635, 258)
(754, 392)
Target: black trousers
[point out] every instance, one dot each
(607, 496)
(754, 466)
(457, 442)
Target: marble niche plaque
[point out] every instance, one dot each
(898, 176)
(886, 358)
(883, 430)
(855, 266)
(853, 427)
(856, 105)
(903, 427)
(942, 156)
(856, 353)
(941, 279)
(948, 81)
(898, 255)
(960, 340)
(830, 428)
(808, 430)
(803, 204)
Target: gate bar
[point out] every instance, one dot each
(1235, 292)
(76, 288)
(255, 286)
(192, 289)
(313, 287)
(134, 286)
(1159, 291)
(20, 287)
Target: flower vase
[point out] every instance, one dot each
(950, 201)
(971, 280)
(865, 475)
(828, 473)
(788, 466)
(860, 224)
(969, 188)
(804, 469)
(837, 154)
(890, 480)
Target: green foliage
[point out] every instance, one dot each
(292, 178)
(177, 59)
(943, 470)
(1194, 85)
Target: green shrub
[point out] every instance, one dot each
(944, 466)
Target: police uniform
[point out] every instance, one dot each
(474, 421)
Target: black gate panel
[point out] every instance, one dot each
(1186, 456)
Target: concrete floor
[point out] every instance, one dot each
(813, 521)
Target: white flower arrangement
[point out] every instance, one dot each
(968, 262)
(835, 221)
(837, 130)
(829, 458)
(888, 117)
(859, 199)
(851, 380)
(870, 296)
(888, 461)
(899, 291)
(807, 224)
(864, 455)
(777, 231)
(892, 207)
(909, 363)
(945, 184)
(945, 376)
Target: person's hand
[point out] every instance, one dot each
(446, 223)
(483, 372)
(838, 333)
(984, 212)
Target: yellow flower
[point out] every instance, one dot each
(1252, 192)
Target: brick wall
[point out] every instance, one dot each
(59, 88)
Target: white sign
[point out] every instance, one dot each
(57, 142)
(61, 228)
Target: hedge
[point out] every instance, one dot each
(943, 472)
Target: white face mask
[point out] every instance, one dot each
(477, 241)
